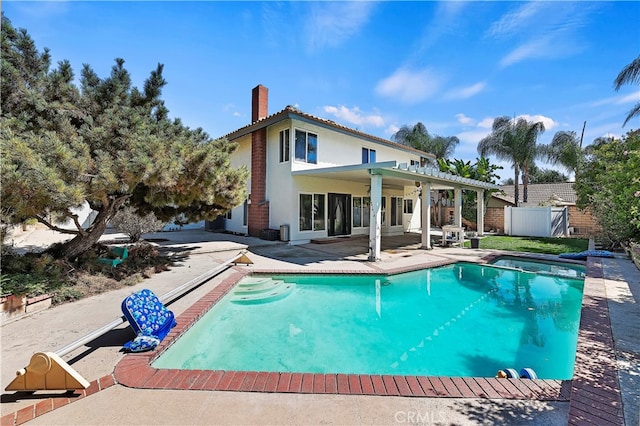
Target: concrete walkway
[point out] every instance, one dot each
(199, 252)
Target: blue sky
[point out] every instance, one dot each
(373, 66)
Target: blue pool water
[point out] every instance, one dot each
(458, 320)
(563, 269)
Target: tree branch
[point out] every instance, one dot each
(53, 227)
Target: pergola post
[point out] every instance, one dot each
(480, 211)
(375, 220)
(457, 216)
(425, 211)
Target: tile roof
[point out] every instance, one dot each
(292, 112)
(542, 193)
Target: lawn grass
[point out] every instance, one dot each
(534, 244)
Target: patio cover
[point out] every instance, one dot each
(392, 174)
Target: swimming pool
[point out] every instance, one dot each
(459, 320)
(563, 269)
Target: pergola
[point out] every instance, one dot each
(392, 174)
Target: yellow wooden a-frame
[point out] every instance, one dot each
(243, 259)
(47, 371)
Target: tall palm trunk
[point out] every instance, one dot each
(516, 187)
(525, 184)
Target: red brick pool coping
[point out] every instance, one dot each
(593, 394)
(135, 370)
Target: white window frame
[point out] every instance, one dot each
(306, 146)
(285, 145)
(314, 213)
(397, 205)
(370, 152)
(365, 214)
(408, 206)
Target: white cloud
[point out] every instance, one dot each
(549, 123)
(354, 116)
(513, 22)
(409, 86)
(231, 108)
(463, 119)
(631, 97)
(486, 123)
(332, 23)
(466, 92)
(617, 100)
(445, 21)
(538, 48)
(391, 130)
(542, 30)
(472, 136)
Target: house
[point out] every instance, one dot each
(317, 179)
(557, 194)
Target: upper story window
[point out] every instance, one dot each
(368, 155)
(284, 146)
(415, 163)
(306, 147)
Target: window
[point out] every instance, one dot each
(415, 163)
(396, 211)
(245, 213)
(383, 210)
(306, 147)
(368, 155)
(228, 215)
(361, 211)
(284, 146)
(408, 206)
(312, 212)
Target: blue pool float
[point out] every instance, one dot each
(508, 373)
(149, 319)
(528, 373)
(584, 254)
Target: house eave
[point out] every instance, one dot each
(292, 113)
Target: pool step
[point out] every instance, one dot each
(261, 290)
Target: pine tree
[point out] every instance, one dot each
(104, 143)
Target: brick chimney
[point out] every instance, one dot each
(259, 103)
(259, 207)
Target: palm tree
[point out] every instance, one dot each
(565, 149)
(501, 142)
(529, 150)
(442, 146)
(630, 74)
(415, 136)
(514, 141)
(418, 137)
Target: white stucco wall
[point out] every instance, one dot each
(340, 149)
(241, 157)
(279, 180)
(334, 149)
